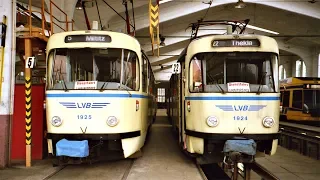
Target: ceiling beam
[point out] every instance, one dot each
(172, 10)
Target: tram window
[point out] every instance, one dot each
(144, 74)
(297, 99)
(129, 70)
(149, 77)
(286, 98)
(311, 98)
(197, 75)
(90, 64)
(218, 69)
(308, 98)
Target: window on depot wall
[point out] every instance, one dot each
(298, 68)
(161, 94)
(280, 72)
(319, 65)
(301, 68)
(304, 69)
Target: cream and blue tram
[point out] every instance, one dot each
(99, 95)
(225, 101)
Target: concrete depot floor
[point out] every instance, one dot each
(162, 159)
(286, 164)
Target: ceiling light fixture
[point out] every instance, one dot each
(312, 1)
(162, 40)
(79, 5)
(164, 1)
(240, 4)
(261, 29)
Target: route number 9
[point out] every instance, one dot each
(176, 68)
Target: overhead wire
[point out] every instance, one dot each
(210, 3)
(116, 12)
(98, 14)
(134, 20)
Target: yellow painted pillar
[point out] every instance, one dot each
(28, 85)
(2, 45)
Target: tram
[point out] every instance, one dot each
(224, 105)
(100, 95)
(300, 100)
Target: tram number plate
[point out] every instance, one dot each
(85, 116)
(240, 118)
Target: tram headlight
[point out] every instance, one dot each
(268, 122)
(112, 121)
(212, 121)
(56, 121)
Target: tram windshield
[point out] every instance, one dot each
(111, 68)
(232, 72)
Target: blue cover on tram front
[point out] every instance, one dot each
(72, 148)
(243, 146)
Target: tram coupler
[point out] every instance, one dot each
(238, 151)
(241, 151)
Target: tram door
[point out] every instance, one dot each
(182, 105)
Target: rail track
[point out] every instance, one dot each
(126, 173)
(257, 168)
(217, 172)
(301, 138)
(61, 168)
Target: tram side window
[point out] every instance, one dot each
(309, 98)
(286, 98)
(149, 78)
(297, 99)
(144, 74)
(196, 75)
(129, 70)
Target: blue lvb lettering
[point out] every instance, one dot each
(241, 108)
(83, 105)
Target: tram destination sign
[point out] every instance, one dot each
(87, 38)
(236, 43)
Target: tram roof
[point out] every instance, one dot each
(117, 40)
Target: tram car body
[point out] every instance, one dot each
(300, 100)
(227, 92)
(100, 95)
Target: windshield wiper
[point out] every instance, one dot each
(65, 86)
(120, 87)
(216, 83)
(222, 91)
(105, 83)
(264, 74)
